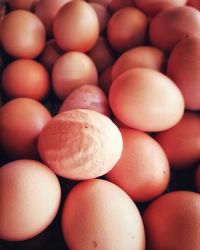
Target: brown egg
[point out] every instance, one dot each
(127, 28)
(116, 5)
(25, 78)
(86, 97)
(80, 144)
(183, 69)
(71, 71)
(22, 4)
(147, 100)
(21, 121)
(47, 10)
(142, 56)
(76, 26)
(181, 143)
(101, 54)
(22, 34)
(102, 14)
(50, 54)
(152, 7)
(29, 197)
(172, 221)
(143, 169)
(105, 80)
(172, 25)
(99, 215)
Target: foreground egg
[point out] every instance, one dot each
(80, 144)
(29, 197)
(99, 215)
(147, 100)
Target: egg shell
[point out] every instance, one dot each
(22, 34)
(171, 25)
(80, 144)
(153, 7)
(181, 143)
(72, 70)
(87, 97)
(76, 27)
(183, 69)
(99, 215)
(29, 196)
(134, 58)
(172, 221)
(126, 28)
(25, 78)
(143, 169)
(147, 100)
(21, 121)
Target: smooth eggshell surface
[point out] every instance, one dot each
(29, 196)
(99, 215)
(80, 144)
(147, 100)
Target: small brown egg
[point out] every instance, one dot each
(29, 196)
(50, 54)
(143, 169)
(172, 221)
(146, 99)
(47, 10)
(86, 97)
(99, 215)
(153, 7)
(25, 78)
(21, 121)
(133, 58)
(181, 143)
(22, 4)
(171, 25)
(71, 71)
(183, 69)
(76, 26)
(22, 34)
(126, 28)
(102, 14)
(80, 144)
(101, 54)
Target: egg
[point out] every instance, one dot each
(47, 10)
(99, 215)
(76, 26)
(116, 5)
(21, 121)
(147, 100)
(29, 196)
(50, 54)
(153, 7)
(80, 144)
(86, 97)
(171, 25)
(181, 143)
(183, 69)
(172, 221)
(25, 78)
(72, 70)
(143, 169)
(133, 58)
(22, 34)
(101, 54)
(126, 28)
